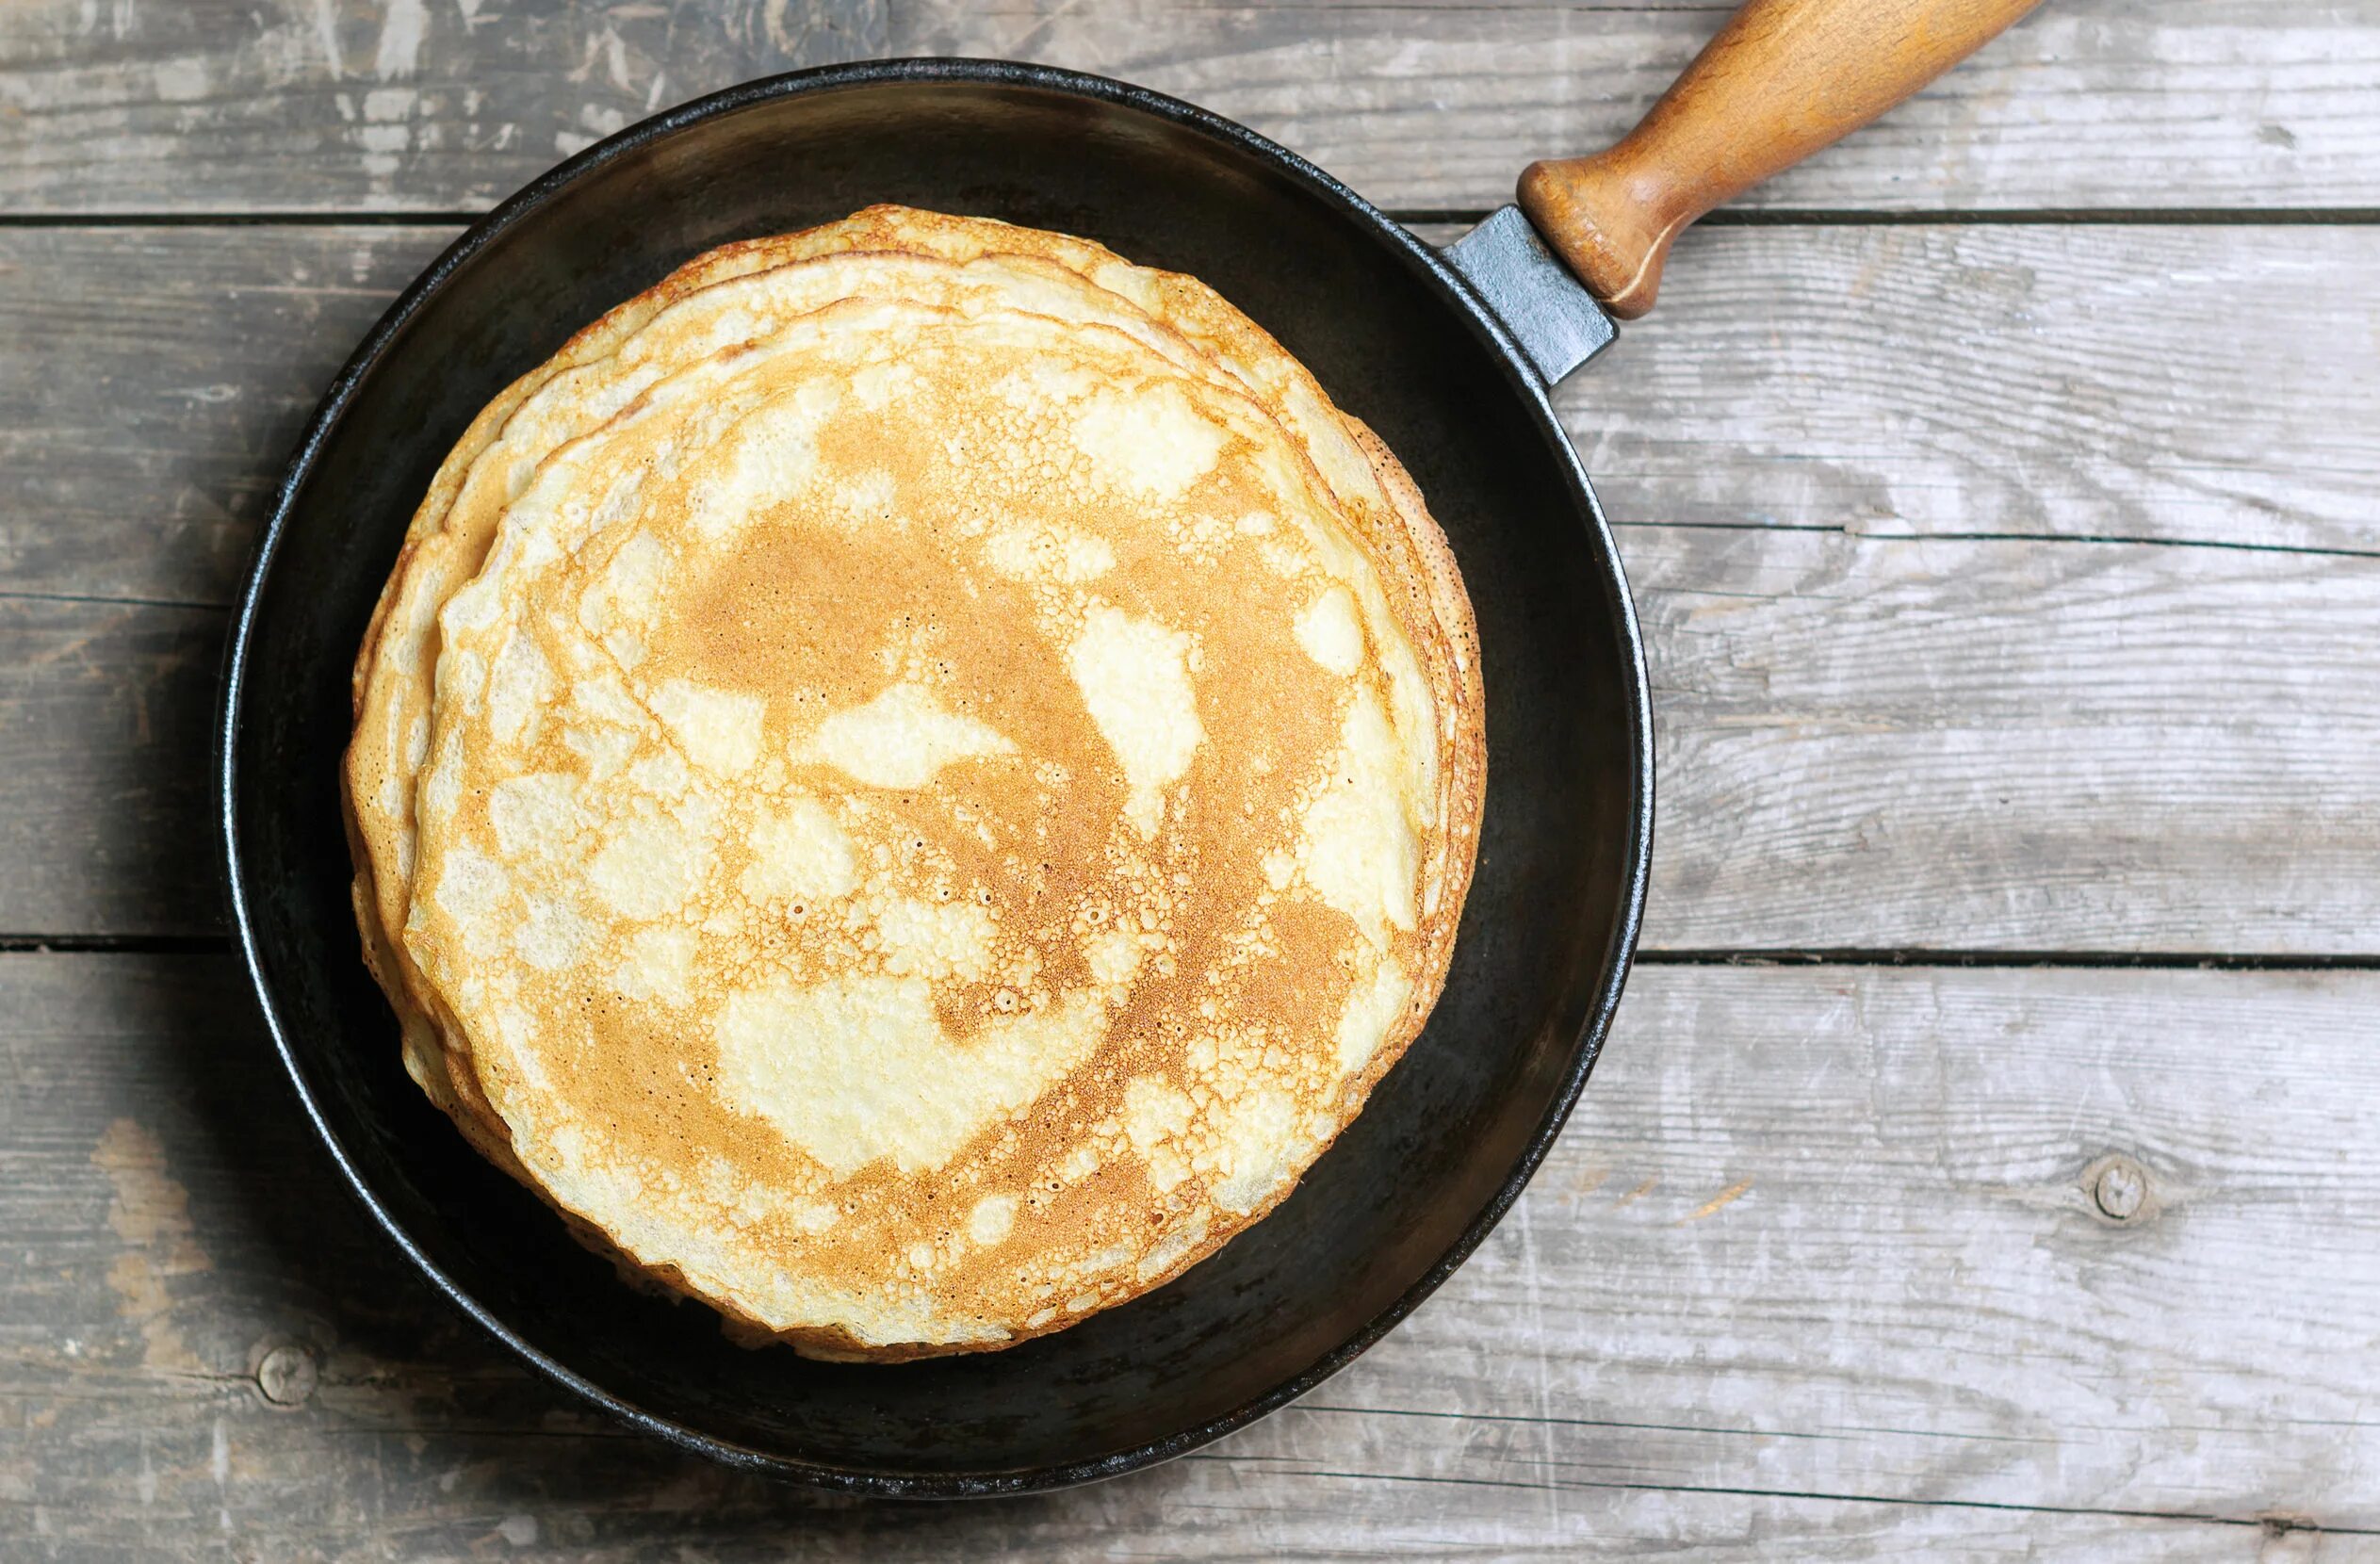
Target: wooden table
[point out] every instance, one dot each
(1987, 1159)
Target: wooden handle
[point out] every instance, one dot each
(1783, 80)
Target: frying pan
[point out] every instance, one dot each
(1449, 354)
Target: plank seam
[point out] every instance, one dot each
(113, 600)
(1852, 956)
(1858, 531)
(115, 944)
(1988, 216)
(1814, 956)
(1537, 1420)
(239, 220)
(1866, 532)
(1775, 217)
(2273, 1525)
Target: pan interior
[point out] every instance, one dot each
(1550, 912)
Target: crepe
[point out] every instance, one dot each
(913, 778)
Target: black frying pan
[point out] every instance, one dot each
(1448, 355)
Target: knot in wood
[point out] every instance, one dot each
(287, 1376)
(2121, 1188)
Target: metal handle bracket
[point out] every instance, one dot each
(1557, 321)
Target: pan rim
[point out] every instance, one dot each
(321, 428)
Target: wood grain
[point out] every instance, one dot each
(2016, 745)
(2080, 381)
(283, 106)
(152, 384)
(146, 411)
(1864, 742)
(362, 104)
(2024, 380)
(1816, 1249)
(1871, 736)
(106, 727)
(2125, 104)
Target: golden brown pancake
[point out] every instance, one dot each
(913, 779)
(601, 371)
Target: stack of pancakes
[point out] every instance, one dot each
(913, 778)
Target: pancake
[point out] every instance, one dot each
(693, 314)
(913, 779)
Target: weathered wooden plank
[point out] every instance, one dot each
(1864, 742)
(2108, 103)
(2185, 383)
(1936, 1292)
(1817, 1266)
(303, 105)
(403, 104)
(2130, 766)
(2073, 381)
(152, 384)
(2014, 746)
(107, 723)
(1868, 740)
(611, 1506)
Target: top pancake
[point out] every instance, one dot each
(695, 312)
(951, 775)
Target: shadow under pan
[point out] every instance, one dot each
(1452, 1132)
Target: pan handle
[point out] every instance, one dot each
(1783, 80)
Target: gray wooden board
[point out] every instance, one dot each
(2004, 381)
(302, 104)
(2087, 103)
(1871, 735)
(1864, 743)
(449, 105)
(107, 726)
(2209, 384)
(1813, 1270)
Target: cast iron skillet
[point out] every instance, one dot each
(1401, 338)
